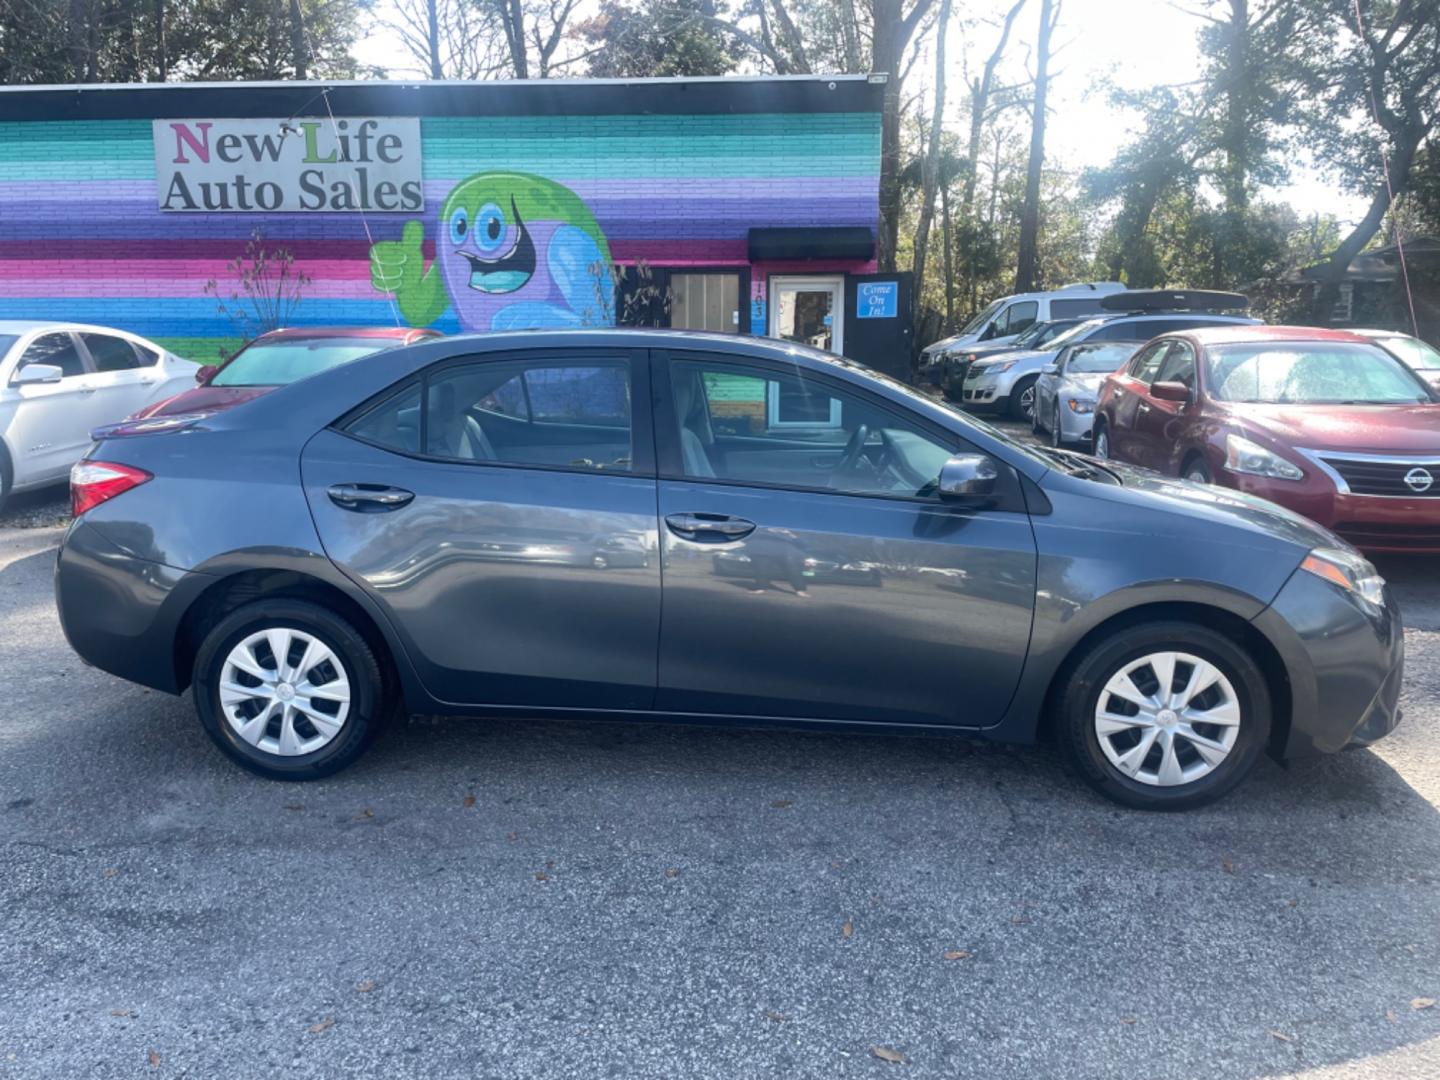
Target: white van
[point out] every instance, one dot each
(1006, 318)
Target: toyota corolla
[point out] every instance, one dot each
(806, 543)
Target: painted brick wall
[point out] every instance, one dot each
(81, 237)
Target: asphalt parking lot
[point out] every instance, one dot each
(500, 899)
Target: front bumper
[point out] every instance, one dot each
(1373, 523)
(984, 390)
(1344, 664)
(120, 613)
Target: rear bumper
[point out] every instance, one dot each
(1344, 664)
(120, 613)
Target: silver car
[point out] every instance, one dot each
(1066, 391)
(1422, 357)
(59, 381)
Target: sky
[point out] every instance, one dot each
(1133, 44)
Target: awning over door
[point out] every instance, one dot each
(814, 242)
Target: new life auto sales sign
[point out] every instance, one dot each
(354, 163)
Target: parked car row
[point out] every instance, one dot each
(59, 382)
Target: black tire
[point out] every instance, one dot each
(6, 478)
(1100, 441)
(1057, 438)
(1035, 428)
(1197, 469)
(1021, 392)
(1085, 678)
(368, 708)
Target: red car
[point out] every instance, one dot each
(1323, 422)
(277, 358)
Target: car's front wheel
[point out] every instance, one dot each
(1057, 436)
(1164, 716)
(288, 689)
(1022, 399)
(1102, 440)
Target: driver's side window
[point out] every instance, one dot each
(745, 424)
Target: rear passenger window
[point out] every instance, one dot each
(110, 353)
(57, 349)
(546, 413)
(1068, 309)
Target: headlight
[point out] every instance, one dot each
(1347, 571)
(999, 366)
(1244, 456)
(1081, 407)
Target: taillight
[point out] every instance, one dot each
(95, 482)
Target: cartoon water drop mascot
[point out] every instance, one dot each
(512, 251)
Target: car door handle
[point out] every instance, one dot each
(369, 498)
(709, 528)
(1144, 406)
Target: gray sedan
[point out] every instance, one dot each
(796, 541)
(1066, 391)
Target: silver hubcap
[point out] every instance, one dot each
(1168, 718)
(1027, 400)
(284, 692)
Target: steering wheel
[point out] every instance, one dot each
(854, 450)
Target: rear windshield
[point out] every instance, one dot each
(276, 363)
(1310, 373)
(1413, 351)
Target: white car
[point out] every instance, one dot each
(59, 381)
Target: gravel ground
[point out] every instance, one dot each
(544, 899)
(37, 509)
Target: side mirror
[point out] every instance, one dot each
(968, 478)
(1170, 391)
(206, 373)
(1050, 369)
(33, 374)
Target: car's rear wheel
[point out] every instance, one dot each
(1022, 399)
(1101, 440)
(288, 689)
(1164, 716)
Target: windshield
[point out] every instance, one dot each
(1052, 330)
(1413, 351)
(1099, 359)
(980, 320)
(280, 362)
(1310, 373)
(1075, 333)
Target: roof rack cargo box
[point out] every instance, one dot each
(1147, 300)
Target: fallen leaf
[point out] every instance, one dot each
(778, 1017)
(1128, 1020)
(1227, 865)
(512, 836)
(848, 929)
(366, 813)
(294, 806)
(323, 1025)
(1422, 1003)
(781, 804)
(884, 1053)
(1292, 903)
(1390, 1015)
(836, 864)
(673, 872)
(119, 1012)
(469, 800)
(110, 872)
(154, 1059)
(540, 876)
(1020, 920)
(1278, 1035)
(956, 954)
(366, 986)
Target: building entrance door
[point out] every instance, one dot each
(809, 310)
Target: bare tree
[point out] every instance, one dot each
(448, 39)
(892, 28)
(1030, 213)
(930, 172)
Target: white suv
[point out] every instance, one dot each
(59, 381)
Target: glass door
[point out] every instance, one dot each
(809, 310)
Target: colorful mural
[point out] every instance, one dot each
(512, 252)
(82, 237)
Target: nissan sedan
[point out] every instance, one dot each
(799, 541)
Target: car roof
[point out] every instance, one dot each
(1178, 313)
(1226, 335)
(300, 333)
(25, 326)
(641, 338)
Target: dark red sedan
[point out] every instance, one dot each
(1323, 422)
(278, 358)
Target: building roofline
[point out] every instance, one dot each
(520, 97)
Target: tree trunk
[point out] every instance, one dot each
(930, 170)
(432, 37)
(162, 62)
(850, 33)
(76, 33)
(1030, 214)
(945, 238)
(513, 17)
(299, 47)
